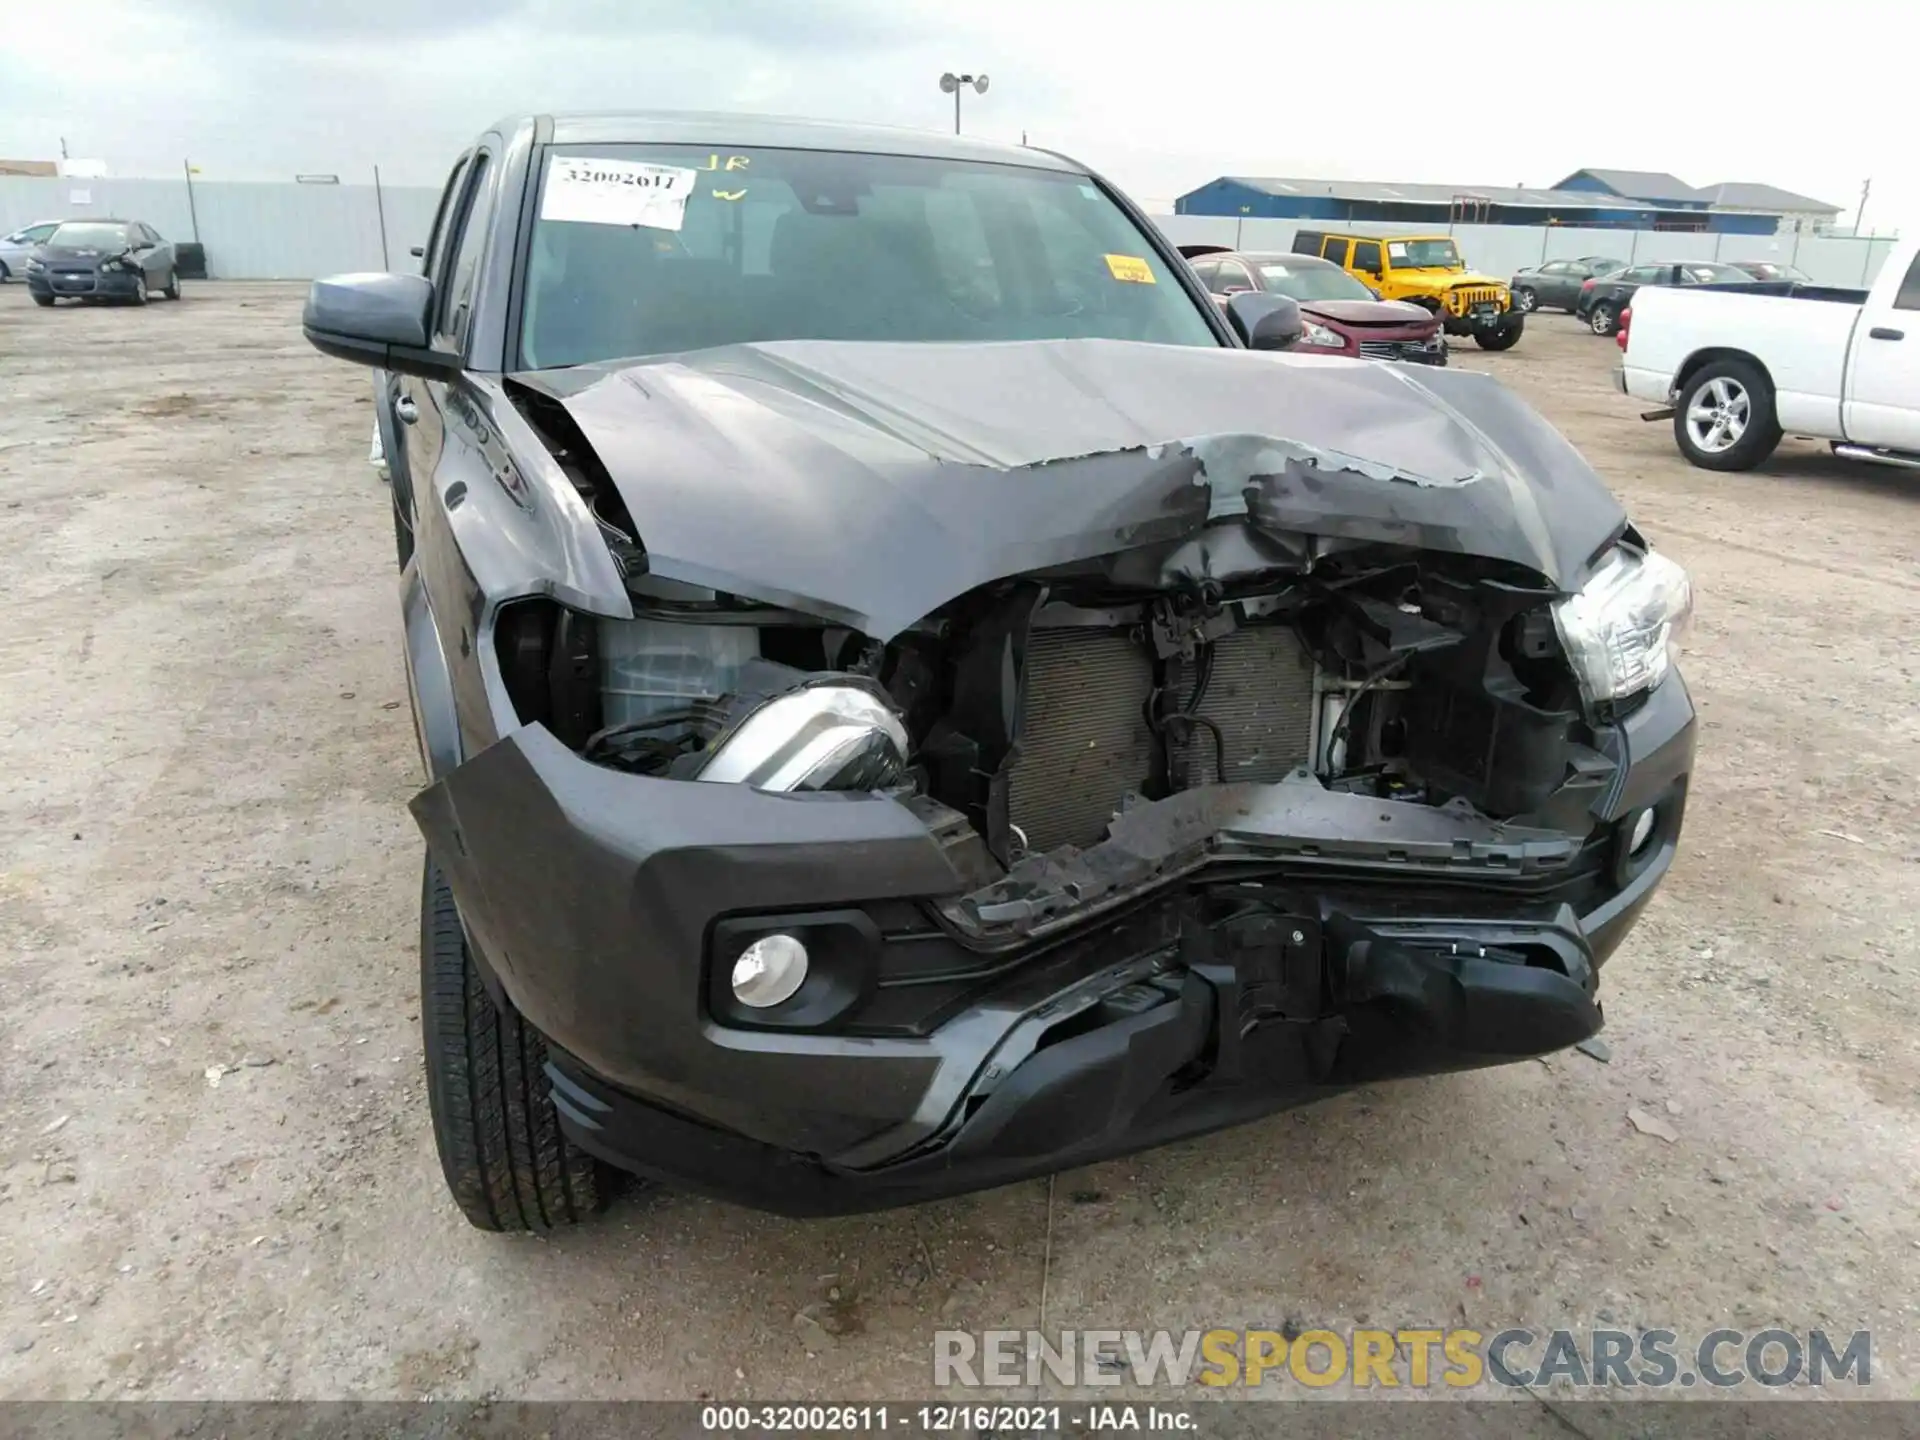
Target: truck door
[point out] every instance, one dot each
(1883, 368)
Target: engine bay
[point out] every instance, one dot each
(1037, 712)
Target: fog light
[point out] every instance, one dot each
(1642, 831)
(769, 971)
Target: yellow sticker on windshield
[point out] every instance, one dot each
(1130, 268)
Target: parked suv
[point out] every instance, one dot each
(1428, 271)
(912, 700)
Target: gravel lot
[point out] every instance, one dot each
(205, 863)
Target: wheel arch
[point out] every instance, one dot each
(1700, 359)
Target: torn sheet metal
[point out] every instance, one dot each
(871, 483)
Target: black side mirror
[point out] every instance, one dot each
(377, 319)
(1264, 321)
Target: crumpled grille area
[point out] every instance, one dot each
(1085, 741)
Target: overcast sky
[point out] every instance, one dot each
(1160, 97)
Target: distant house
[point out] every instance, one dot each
(1733, 207)
(1796, 212)
(29, 167)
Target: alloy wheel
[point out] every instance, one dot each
(1718, 416)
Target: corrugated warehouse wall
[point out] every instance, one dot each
(258, 231)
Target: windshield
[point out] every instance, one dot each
(1423, 254)
(90, 235)
(1312, 282)
(654, 249)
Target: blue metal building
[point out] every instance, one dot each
(1586, 198)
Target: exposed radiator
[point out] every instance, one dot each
(1261, 697)
(1084, 738)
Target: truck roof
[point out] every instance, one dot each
(1396, 235)
(782, 132)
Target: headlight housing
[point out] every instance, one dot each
(1312, 332)
(826, 735)
(35, 265)
(1622, 629)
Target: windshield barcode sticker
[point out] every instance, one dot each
(587, 191)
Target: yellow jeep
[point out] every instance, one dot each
(1428, 271)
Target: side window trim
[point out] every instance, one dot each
(447, 318)
(437, 234)
(1907, 297)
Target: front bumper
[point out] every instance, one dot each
(83, 285)
(603, 905)
(1471, 323)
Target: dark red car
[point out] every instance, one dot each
(1342, 316)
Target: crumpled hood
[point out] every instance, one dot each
(871, 483)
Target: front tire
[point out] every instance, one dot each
(1504, 338)
(172, 289)
(1603, 319)
(139, 296)
(504, 1157)
(44, 301)
(1525, 301)
(1725, 418)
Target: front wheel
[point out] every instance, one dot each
(1525, 301)
(501, 1149)
(45, 301)
(1504, 338)
(172, 290)
(1603, 319)
(139, 296)
(1725, 418)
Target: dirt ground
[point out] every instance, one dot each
(216, 1177)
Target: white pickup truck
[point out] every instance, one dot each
(1737, 368)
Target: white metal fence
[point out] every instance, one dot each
(255, 231)
(251, 231)
(1503, 249)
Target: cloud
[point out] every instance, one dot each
(1158, 98)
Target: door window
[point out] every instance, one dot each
(457, 281)
(1366, 256)
(1909, 296)
(1233, 276)
(437, 236)
(1334, 250)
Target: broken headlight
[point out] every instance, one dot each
(1620, 631)
(1312, 332)
(822, 736)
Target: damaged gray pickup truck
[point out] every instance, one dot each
(914, 697)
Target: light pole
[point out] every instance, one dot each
(952, 84)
